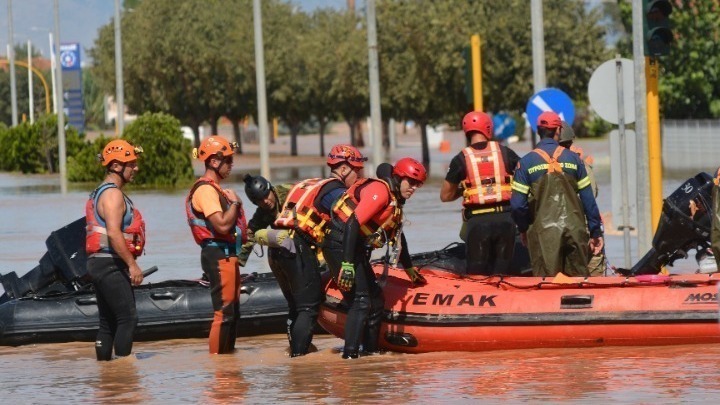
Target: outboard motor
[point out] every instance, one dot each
(680, 229)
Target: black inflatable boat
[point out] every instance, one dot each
(55, 303)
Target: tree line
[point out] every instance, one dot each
(195, 59)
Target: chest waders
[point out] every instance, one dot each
(558, 236)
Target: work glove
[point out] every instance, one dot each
(346, 278)
(415, 277)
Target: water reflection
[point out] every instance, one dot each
(120, 382)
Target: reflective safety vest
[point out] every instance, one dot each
(589, 160)
(96, 239)
(202, 229)
(300, 210)
(553, 165)
(487, 182)
(384, 226)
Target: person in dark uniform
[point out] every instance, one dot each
(551, 191)
(368, 216)
(482, 175)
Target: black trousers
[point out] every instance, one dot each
(366, 298)
(116, 306)
(299, 278)
(490, 243)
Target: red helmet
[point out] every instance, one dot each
(215, 145)
(550, 120)
(478, 121)
(410, 168)
(346, 153)
(119, 150)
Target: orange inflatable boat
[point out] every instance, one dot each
(475, 313)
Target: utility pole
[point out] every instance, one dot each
(119, 85)
(261, 92)
(31, 101)
(59, 102)
(538, 49)
(53, 62)
(374, 73)
(11, 59)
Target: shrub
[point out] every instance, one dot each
(33, 148)
(166, 158)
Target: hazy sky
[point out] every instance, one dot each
(79, 20)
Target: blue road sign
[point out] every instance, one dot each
(550, 100)
(504, 126)
(72, 85)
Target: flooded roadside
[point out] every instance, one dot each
(261, 372)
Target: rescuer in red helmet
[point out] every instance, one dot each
(299, 221)
(553, 227)
(482, 175)
(369, 216)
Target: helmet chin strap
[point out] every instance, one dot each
(121, 172)
(217, 171)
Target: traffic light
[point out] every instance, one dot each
(656, 27)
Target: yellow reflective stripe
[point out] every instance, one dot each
(583, 183)
(520, 188)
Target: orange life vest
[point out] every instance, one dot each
(300, 210)
(202, 229)
(589, 160)
(487, 181)
(96, 239)
(380, 229)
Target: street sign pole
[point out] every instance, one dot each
(59, 102)
(538, 51)
(623, 160)
(643, 195)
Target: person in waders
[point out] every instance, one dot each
(217, 222)
(369, 216)
(550, 192)
(482, 175)
(598, 263)
(115, 238)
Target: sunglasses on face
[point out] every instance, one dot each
(414, 183)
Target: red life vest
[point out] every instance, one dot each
(380, 229)
(96, 239)
(487, 182)
(202, 229)
(300, 210)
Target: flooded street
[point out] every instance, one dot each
(260, 371)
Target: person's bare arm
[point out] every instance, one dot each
(449, 192)
(224, 222)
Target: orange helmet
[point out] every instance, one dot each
(215, 145)
(119, 150)
(478, 121)
(346, 153)
(411, 168)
